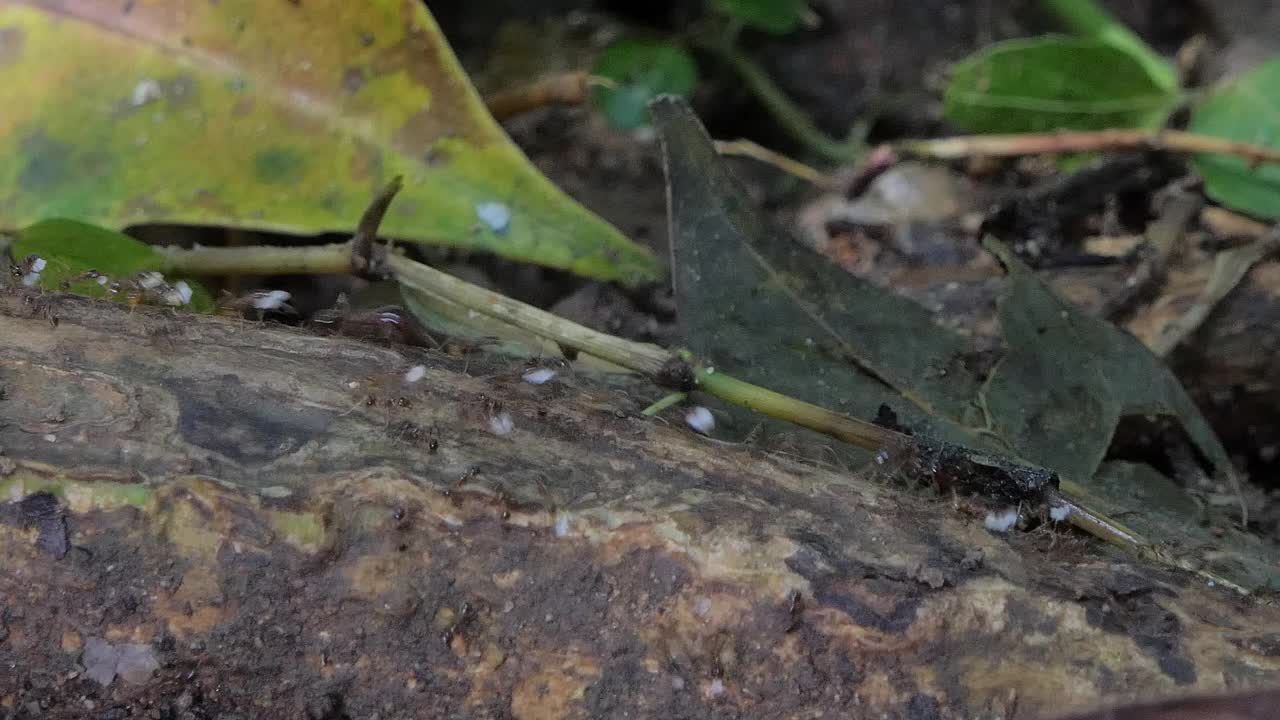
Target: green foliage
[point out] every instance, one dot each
(778, 17)
(278, 116)
(1054, 83)
(70, 248)
(1245, 109)
(642, 70)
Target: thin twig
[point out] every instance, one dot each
(569, 88)
(1177, 141)
(259, 260)
(1229, 268)
(1164, 235)
(370, 221)
(755, 151)
(784, 110)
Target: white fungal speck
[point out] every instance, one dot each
(145, 91)
(1058, 513)
(882, 456)
(561, 528)
(1002, 522)
(700, 419)
(716, 689)
(416, 373)
(702, 606)
(50, 437)
(30, 279)
(538, 376)
(677, 682)
(501, 424)
(495, 215)
(150, 280)
(273, 300)
(179, 294)
(38, 264)
(102, 280)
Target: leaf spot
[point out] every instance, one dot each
(147, 90)
(278, 166)
(11, 41)
(495, 215)
(48, 162)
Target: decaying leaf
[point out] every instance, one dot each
(1067, 379)
(273, 115)
(774, 312)
(768, 310)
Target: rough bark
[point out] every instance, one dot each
(250, 521)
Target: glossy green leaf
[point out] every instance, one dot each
(1245, 109)
(642, 70)
(283, 116)
(70, 248)
(1054, 83)
(772, 16)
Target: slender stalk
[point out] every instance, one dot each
(784, 407)
(665, 402)
(789, 115)
(565, 89)
(1087, 18)
(646, 359)
(259, 260)
(965, 146)
(759, 153)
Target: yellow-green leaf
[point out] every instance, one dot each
(285, 116)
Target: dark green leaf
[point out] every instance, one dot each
(1054, 83)
(772, 16)
(70, 248)
(773, 312)
(643, 70)
(1246, 109)
(1068, 378)
(770, 311)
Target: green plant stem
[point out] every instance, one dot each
(664, 403)
(648, 360)
(784, 407)
(259, 260)
(1087, 18)
(789, 115)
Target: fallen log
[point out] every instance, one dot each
(203, 517)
